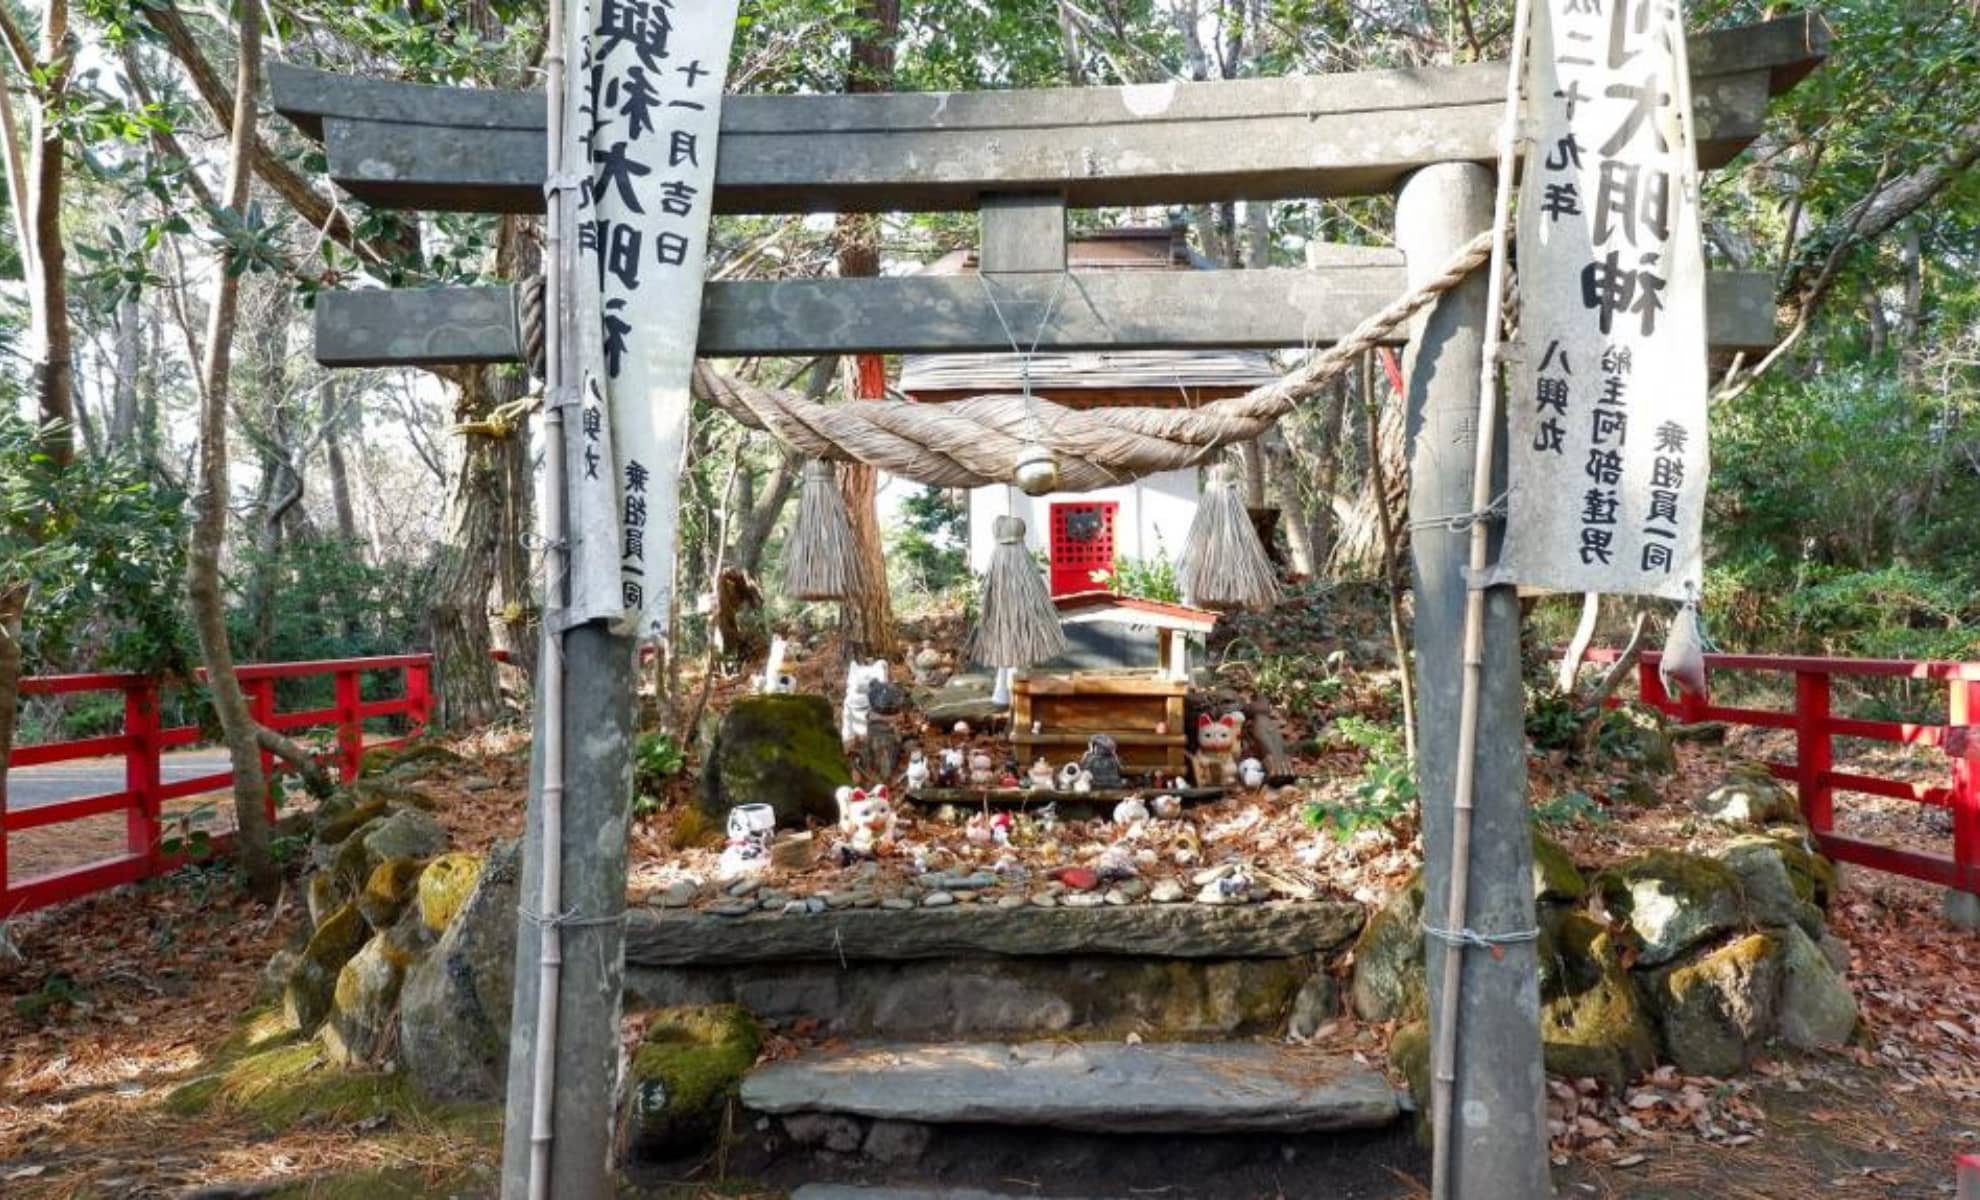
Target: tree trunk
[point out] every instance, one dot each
(340, 473)
(251, 842)
(124, 395)
(869, 610)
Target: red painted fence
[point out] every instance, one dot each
(144, 740)
(1813, 769)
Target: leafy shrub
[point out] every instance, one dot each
(657, 758)
(1386, 791)
(1142, 578)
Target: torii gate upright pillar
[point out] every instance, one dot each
(1498, 1130)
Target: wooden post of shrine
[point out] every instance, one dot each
(1498, 1129)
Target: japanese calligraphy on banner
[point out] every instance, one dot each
(644, 107)
(1607, 456)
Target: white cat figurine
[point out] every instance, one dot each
(852, 716)
(867, 819)
(917, 770)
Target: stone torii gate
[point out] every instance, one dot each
(1022, 158)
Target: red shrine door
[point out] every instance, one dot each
(1082, 543)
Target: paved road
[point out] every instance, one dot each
(31, 787)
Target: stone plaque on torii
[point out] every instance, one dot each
(1021, 158)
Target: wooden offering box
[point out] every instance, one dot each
(1142, 712)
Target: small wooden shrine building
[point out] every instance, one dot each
(1084, 532)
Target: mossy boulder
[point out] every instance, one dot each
(387, 891)
(1672, 902)
(1555, 878)
(780, 750)
(323, 894)
(1409, 1056)
(407, 833)
(1772, 895)
(1388, 983)
(1749, 797)
(1591, 1024)
(444, 886)
(1812, 875)
(348, 862)
(364, 1005)
(1717, 1007)
(1648, 742)
(454, 1008)
(1817, 1007)
(348, 818)
(306, 999)
(684, 1074)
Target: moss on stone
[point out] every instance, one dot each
(1388, 982)
(307, 998)
(444, 886)
(684, 1073)
(780, 750)
(1672, 901)
(387, 890)
(1555, 876)
(1591, 1024)
(336, 830)
(1409, 1055)
(1716, 1008)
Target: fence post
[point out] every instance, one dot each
(1650, 687)
(419, 696)
(261, 701)
(1963, 708)
(142, 774)
(1813, 750)
(350, 728)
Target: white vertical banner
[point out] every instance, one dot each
(645, 114)
(1607, 414)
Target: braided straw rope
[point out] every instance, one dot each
(969, 443)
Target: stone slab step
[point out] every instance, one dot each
(667, 938)
(1191, 1088)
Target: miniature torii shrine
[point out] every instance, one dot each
(1022, 158)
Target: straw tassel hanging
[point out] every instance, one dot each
(1017, 624)
(818, 560)
(1223, 565)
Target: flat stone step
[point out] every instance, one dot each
(1178, 1087)
(667, 938)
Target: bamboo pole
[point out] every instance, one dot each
(1443, 1074)
(557, 378)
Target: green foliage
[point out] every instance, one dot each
(1570, 808)
(1292, 682)
(928, 548)
(1386, 791)
(59, 990)
(100, 546)
(1143, 578)
(657, 758)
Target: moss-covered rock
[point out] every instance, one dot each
(780, 750)
(1555, 877)
(1772, 895)
(279, 1086)
(334, 829)
(1717, 1007)
(684, 1074)
(407, 833)
(1749, 797)
(1409, 1055)
(444, 886)
(348, 862)
(1812, 874)
(1387, 983)
(1591, 1024)
(364, 1005)
(1817, 1007)
(323, 894)
(454, 1008)
(307, 998)
(1672, 902)
(387, 891)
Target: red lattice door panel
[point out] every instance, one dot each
(1082, 543)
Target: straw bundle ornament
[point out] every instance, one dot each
(818, 561)
(1223, 565)
(1018, 625)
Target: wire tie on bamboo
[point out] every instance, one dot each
(565, 920)
(1462, 522)
(1495, 943)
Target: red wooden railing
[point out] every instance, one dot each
(143, 741)
(1813, 769)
